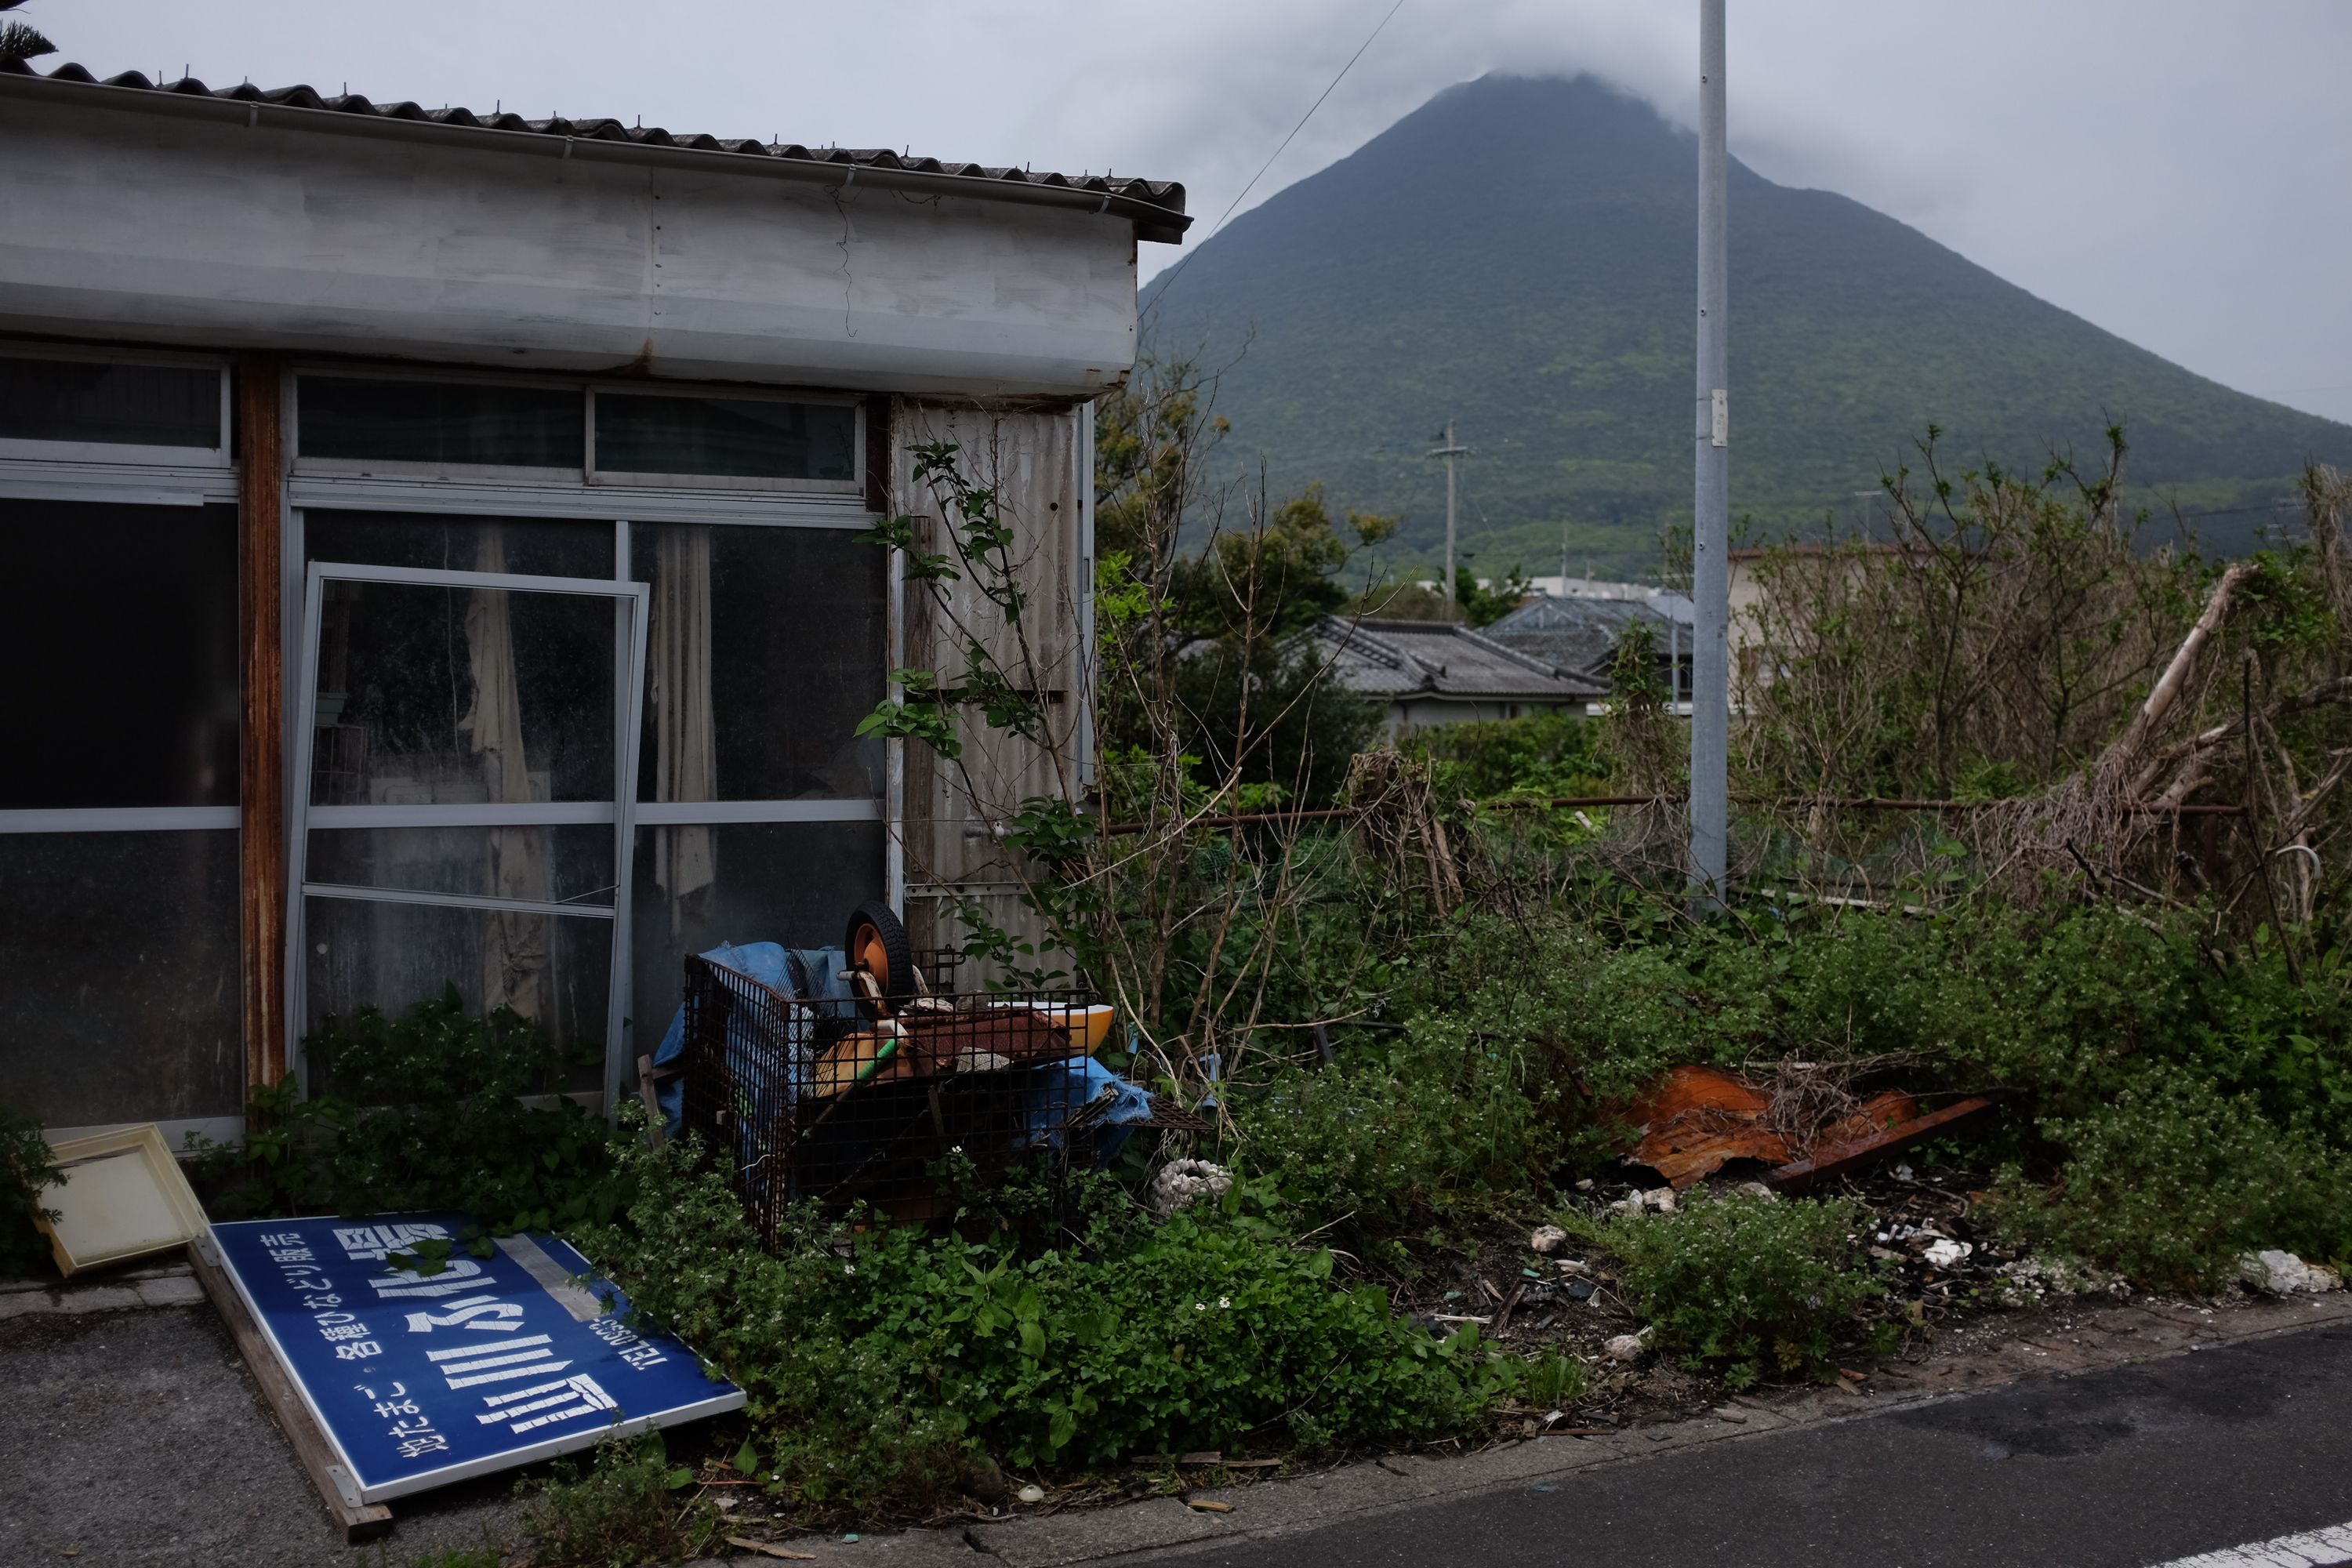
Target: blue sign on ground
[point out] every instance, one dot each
(419, 1379)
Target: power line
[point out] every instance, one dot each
(1186, 260)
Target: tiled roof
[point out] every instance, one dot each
(1582, 634)
(1156, 206)
(1403, 659)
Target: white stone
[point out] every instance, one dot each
(2285, 1274)
(1547, 1238)
(1181, 1182)
(1625, 1347)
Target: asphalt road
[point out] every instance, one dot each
(2122, 1468)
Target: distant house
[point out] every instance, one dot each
(1578, 630)
(1433, 672)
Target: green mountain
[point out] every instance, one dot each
(1520, 255)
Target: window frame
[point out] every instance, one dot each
(587, 475)
(851, 486)
(123, 454)
(620, 509)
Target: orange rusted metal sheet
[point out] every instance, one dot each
(1699, 1117)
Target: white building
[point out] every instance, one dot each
(434, 559)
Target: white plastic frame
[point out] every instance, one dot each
(632, 600)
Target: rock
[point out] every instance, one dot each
(1625, 1347)
(1660, 1199)
(1180, 1182)
(1757, 1189)
(1580, 1290)
(1032, 1493)
(2285, 1274)
(1947, 1253)
(1548, 1239)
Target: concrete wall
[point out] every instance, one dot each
(161, 224)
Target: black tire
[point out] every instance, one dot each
(874, 930)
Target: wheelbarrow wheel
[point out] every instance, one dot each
(877, 944)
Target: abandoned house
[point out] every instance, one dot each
(1581, 627)
(436, 558)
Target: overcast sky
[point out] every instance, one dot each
(2177, 170)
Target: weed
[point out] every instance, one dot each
(24, 1169)
(1554, 1380)
(2173, 1179)
(426, 1113)
(629, 1506)
(882, 1364)
(1751, 1286)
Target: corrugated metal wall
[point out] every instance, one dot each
(1037, 460)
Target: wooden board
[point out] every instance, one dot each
(357, 1521)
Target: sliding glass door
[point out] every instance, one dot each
(464, 795)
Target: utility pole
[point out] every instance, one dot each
(1450, 451)
(1711, 489)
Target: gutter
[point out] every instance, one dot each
(1152, 222)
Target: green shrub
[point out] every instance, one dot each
(884, 1364)
(425, 1112)
(2170, 1181)
(1409, 1124)
(24, 1169)
(1540, 754)
(625, 1509)
(1748, 1285)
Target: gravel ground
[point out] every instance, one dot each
(137, 1438)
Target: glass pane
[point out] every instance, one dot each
(528, 546)
(442, 422)
(118, 975)
(551, 969)
(789, 882)
(731, 437)
(566, 865)
(118, 635)
(131, 404)
(765, 649)
(429, 695)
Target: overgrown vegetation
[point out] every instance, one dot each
(1745, 1283)
(435, 1108)
(26, 1171)
(891, 1365)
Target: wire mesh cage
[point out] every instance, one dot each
(851, 1100)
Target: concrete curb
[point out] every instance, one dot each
(154, 1285)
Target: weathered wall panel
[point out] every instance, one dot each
(957, 810)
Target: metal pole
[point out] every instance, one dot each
(1450, 454)
(1711, 490)
(1450, 451)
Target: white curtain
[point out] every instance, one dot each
(686, 752)
(514, 956)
